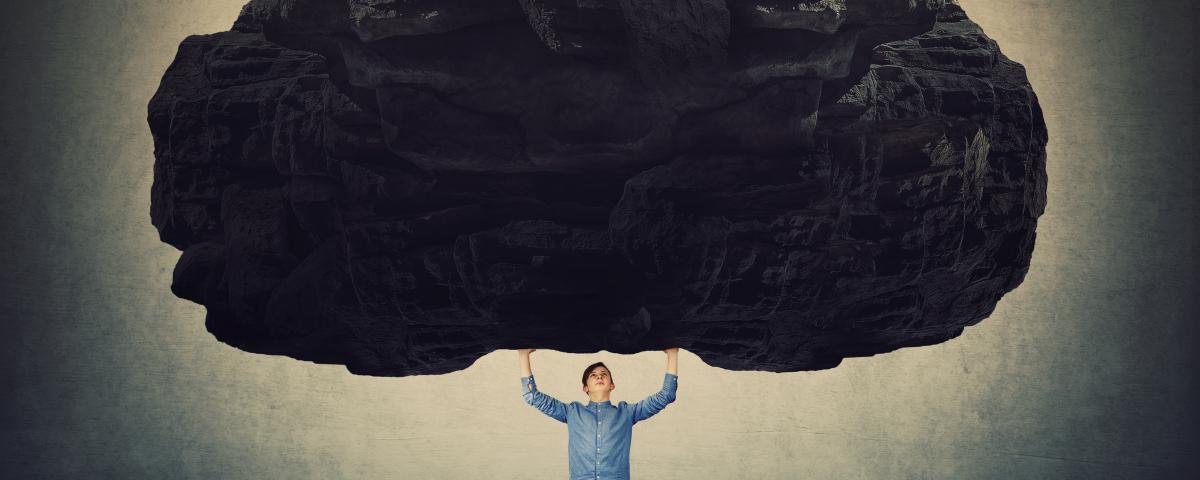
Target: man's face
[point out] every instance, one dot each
(599, 381)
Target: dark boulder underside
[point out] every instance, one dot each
(403, 187)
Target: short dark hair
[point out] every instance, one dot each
(593, 367)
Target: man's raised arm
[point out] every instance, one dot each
(545, 403)
(655, 403)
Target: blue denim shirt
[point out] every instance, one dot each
(599, 434)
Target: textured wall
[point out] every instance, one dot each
(1085, 371)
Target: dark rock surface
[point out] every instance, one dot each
(403, 187)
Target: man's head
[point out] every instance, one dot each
(597, 381)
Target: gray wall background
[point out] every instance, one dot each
(1085, 371)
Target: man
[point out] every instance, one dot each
(599, 433)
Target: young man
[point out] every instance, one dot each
(599, 433)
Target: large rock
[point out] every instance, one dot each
(403, 187)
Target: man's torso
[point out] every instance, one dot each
(599, 438)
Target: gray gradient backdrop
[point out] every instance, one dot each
(1085, 371)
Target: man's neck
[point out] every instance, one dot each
(598, 398)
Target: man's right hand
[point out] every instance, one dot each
(523, 359)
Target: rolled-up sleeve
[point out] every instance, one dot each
(548, 405)
(655, 403)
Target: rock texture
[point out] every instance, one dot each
(403, 187)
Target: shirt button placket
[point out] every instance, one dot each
(597, 441)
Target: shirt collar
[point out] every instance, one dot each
(594, 403)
